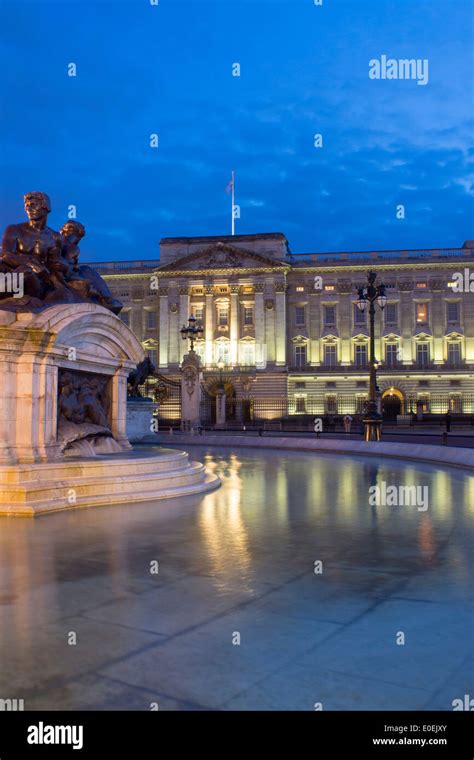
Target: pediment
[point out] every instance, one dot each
(221, 256)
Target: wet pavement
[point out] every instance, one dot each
(284, 589)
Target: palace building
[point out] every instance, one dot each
(283, 331)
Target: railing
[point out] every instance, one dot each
(374, 256)
(109, 267)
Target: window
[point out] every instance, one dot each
(391, 314)
(197, 313)
(329, 287)
(151, 320)
(247, 354)
(222, 353)
(422, 354)
(331, 404)
(361, 402)
(422, 313)
(360, 317)
(421, 285)
(391, 355)
(299, 316)
(454, 354)
(152, 353)
(299, 288)
(452, 311)
(223, 289)
(198, 291)
(124, 294)
(330, 356)
(329, 315)
(125, 317)
(300, 356)
(200, 349)
(361, 355)
(222, 316)
(248, 315)
(300, 404)
(300, 385)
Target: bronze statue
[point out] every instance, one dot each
(27, 247)
(137, 377)
(82, 278)
(48, 263)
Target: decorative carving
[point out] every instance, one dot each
(280, 287)
(405, 286)
(220, 256)
(163, 291)
(209, 290)
(438, 284)
(190, 377)
(48, 263)
(183, 290)
(234, 289)
(259, 287)
(269, 304)
(174, 308)
(82, 398)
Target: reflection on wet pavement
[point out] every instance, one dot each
(242, 564)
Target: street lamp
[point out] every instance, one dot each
(192, 331)
(369, 295)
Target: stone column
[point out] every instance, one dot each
(118, 406)
(234, 324)
(259, 325)
(209, 324)
(191, 376)
(164, 327)
(280, 318)
(183, 317)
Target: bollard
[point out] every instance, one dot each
(445, 439)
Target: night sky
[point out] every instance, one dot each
(167, 69)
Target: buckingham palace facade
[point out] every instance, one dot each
(284, 332)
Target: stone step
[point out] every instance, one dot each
(98, 466)
(115, 482)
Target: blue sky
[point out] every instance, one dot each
(167, 69)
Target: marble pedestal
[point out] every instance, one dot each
(35, 476)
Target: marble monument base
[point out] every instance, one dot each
(107, 480)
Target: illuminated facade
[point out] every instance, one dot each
(287, 329)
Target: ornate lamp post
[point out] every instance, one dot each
(192, 331)
(369, 295)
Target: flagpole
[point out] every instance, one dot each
(233, 197)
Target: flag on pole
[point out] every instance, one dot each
(231, 188)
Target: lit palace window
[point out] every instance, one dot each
(422, 313)
(300, 288)
(198, 313)
(222, 316)
(421, 285)
(248, 315)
